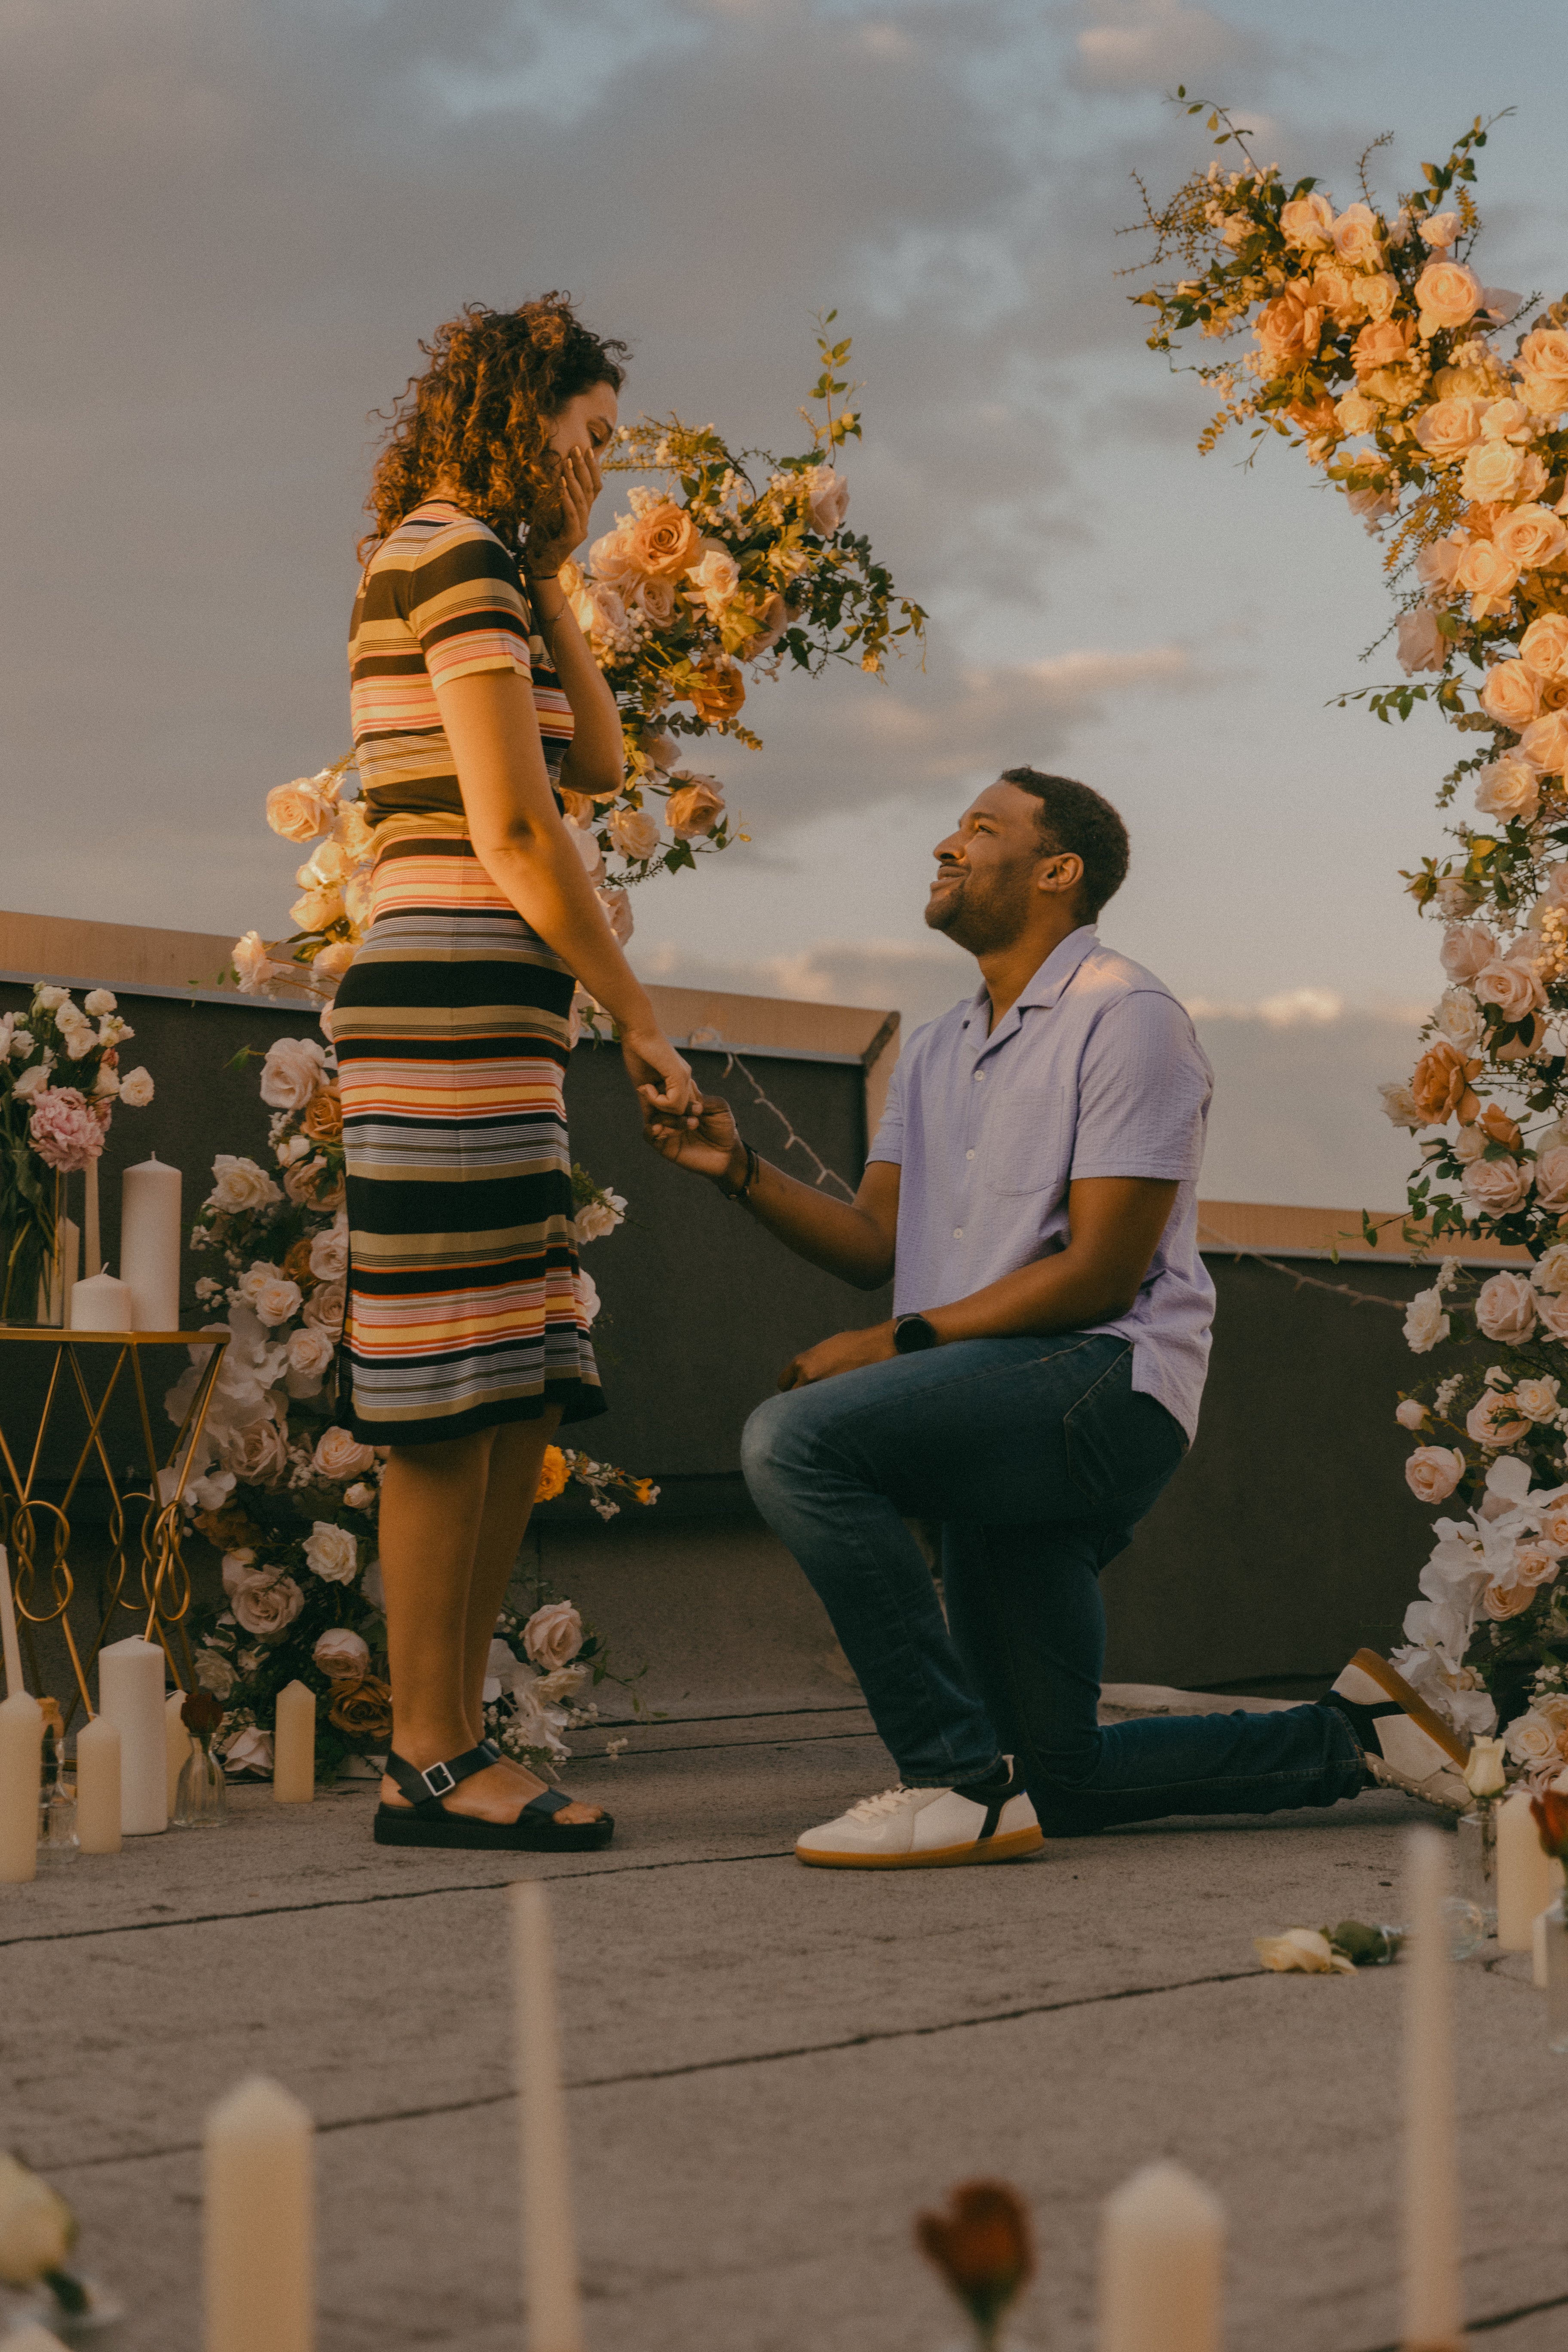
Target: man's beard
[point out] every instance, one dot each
(981, 920)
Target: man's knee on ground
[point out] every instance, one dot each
(775, 1441)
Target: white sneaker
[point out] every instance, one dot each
(923, 1829)
(1408, 1744)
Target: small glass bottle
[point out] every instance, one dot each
(57, 1804)
(201, 1798)
(1553, 1928)
(1472, 1909)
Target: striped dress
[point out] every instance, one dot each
(452, 1030)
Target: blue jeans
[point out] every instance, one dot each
(1039, 1460)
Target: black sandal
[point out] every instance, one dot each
(427, 1822)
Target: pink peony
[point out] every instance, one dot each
(65, 1128)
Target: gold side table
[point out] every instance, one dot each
(44, 1586)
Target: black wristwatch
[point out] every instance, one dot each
(912, 1335)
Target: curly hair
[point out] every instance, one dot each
(480, 415)
(1072, 816)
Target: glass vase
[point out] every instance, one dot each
(1472, 1908)
(201, 1798)
(1553, 1931)
(56, 1824)
(33, 1282)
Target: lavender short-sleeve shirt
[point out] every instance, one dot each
(1095, 1071)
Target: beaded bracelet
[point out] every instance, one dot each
(740, 1194)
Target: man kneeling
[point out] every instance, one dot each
(1033, 1191)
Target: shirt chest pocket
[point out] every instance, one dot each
(1025, 1143)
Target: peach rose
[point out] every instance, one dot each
(1552, 1179)
(1448, 294)
(695, 809)
(1554, 1513)
(1506, 1309)
(301, 811)
(1554, 1314)
(1550, 1272)
(1509, 788)
(1289, 329)
(1486, 575)
(772, 619)
(1512, 986)
(714, 581)
(1411, 1413)
(717, 694)
(1534, 1563)
(265, 1603)
(1335, 292)
(1440, 1083)
(332, 960)
(1507, 420)
(1468, 949)
(664, 543)
(1540, 1401)
(257, 1455)
(656, 600)
(1448, 427)
(1543, 647)
(1357, 234)
(1545, 396)
(1544, 742)
(1422, 644)
(1511, 694)
(1491, 471)
(1308, 222)
(310, 1352)
(293, 1069)
(553, 1474)
(1439, 231)
(600, 612)
(324, 1307)
(1433, 1471)
(1544, 353)
(618, 908)
(1505, 1598)
(1353, 414)
(339, 1456)
(611, 561)
(1496, 1188)
(1438, 565)
(554, 1635)
(828, 493)
(323, 1119)
(1382, 343)
(1379, 292)
(1495, 1419)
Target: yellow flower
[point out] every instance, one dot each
(553, 1475)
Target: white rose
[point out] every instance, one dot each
(587, 1291)
(249, 1750)
(1550, 1272)
(828, 499)
(265, 1603)
(716, 579)
(300, 810)
(1410, 1413)
(1531, 1739)
(554, 1635)
(215, 1672)
(359, 1496)
(1425, 1325)
(37, 2228)
(1484, 1773)
(1422, 644)
(271, 1292)
(49, 999)
(594, 1218)
(1302, 1949)
(1506, 1309)
(1552, 1179)
(136, 1089)
(240, 1184)
(1537, 1398)
(294, 1068)
(257, 1453)
(324, 1307)
(1439, 230)
(1509, 790)
(331, 1553)
(342, 1654)
(585, 842)
(1459, 1019)
(99, 1001)
(330, 1252)
(1495, 1188)
(635, 831)
(1400, 1105)
(617, 907)
(340, 1457)
(1467, 949)
(310, 1353)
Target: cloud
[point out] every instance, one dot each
(1155, 44)
(917, 978)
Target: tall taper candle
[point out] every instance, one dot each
(21, 1772)
(1527, 1878)
(1433, 2321)
(260, 2221)
(97, 1787)
(1162, 2249)
(150, 1237)
(91, 1252)
(549, 2242)
(178, 1744)
(8, 1641)
(294, 1746)
(130, 1694)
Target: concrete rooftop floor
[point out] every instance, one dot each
(771, 2069)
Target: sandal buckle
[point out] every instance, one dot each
(439, 1779)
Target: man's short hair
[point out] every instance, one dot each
(1073, 818)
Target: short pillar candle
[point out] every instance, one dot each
(294, 1746)
(1161, 2251)
(21, 1770)
(1527, 1878)
(98, 1826)
(259, 2222)
(130, 1694)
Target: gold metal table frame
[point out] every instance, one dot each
(164, 1579)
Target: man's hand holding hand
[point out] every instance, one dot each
(846, 1352)
(712, 1146)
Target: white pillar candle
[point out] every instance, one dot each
(93, 1253)
(149, 1238)
(1162, 2249)
(97, 1787)
(1538, 1950)
(294, 1746)
(21, 1775)
(101, 1304)
(1525, 1878)
(130, 1694)
(549, 2241)
(178, 1744)
(1432, 2317)
(260, 2226)
(8, 1641)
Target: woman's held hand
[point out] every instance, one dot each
(662, 1076)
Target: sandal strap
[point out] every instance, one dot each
(425, 1789)
(548, 1800)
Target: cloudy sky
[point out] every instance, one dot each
(226, 224)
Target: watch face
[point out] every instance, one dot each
(912, 1333)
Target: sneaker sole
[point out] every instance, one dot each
(1392, 1684)
(1011, 1848)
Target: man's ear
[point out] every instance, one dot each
(1060, 874)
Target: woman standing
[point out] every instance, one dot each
(472, 690)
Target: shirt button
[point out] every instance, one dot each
(958, 1233)
(978, 1076)
(969, 1155)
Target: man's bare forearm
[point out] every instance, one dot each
(837, 1236)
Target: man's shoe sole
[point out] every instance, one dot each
(1392, 1684)
(1010, 1848)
